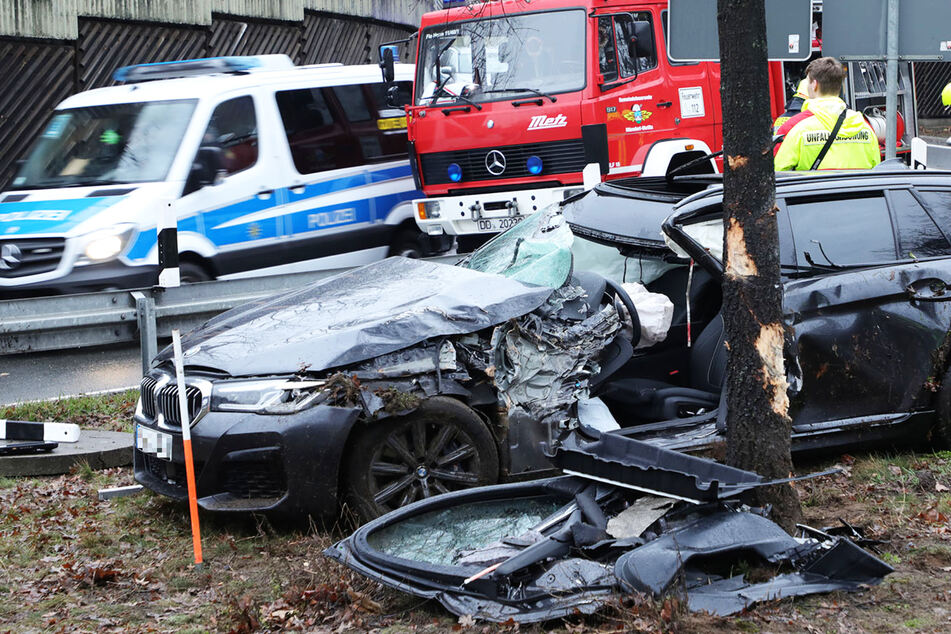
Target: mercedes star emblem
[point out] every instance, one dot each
(495, 162)
(10, 255)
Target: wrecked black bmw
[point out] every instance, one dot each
(395, 381)
(404, 379)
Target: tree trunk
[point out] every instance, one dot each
(757, 423)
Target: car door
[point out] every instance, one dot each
(326, 215)
(235, 214)
(380, 132)
(637, 110)
(866, 306)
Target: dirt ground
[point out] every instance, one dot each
(69, 562)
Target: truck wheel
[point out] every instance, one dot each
(442, 446)
(407, 244)
(191, 272)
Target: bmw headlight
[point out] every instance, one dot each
(105, 244)
(267, 396)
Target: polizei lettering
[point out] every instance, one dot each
(39, 214)
(817, 138)
(541, 122)
(330, 218)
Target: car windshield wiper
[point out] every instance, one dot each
(69, 182)
(440, 92)
(534, 91)
(101, 181)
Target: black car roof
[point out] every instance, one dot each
(814, 182)
(631, 211)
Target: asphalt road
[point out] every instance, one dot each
(46, 375)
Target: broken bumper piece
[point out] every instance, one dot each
(541, 550)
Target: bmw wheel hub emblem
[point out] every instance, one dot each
(495, 162)
(10, 256)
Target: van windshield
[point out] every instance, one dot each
(505, 57)
(100, 145)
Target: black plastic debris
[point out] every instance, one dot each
(645, 467)
(670, 563)
(561, 558)
(840, 566)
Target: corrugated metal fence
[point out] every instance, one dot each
(35, 74)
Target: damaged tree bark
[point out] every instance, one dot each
(758, 425)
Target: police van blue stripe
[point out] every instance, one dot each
(50, 216)
(302, 222)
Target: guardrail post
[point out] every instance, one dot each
(148, 333)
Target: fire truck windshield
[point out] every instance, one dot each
(502, 58)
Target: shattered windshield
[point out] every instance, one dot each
(505, 57)
(535, 251)
(98, 145)
(443, 537)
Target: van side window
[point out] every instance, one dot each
(619, 54)
(233, 129)
(825, 231)
(381, 136)
(353, 103)
(317, 140)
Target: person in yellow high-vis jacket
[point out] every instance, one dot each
(946, 95)
(855, 145)
(793, 106)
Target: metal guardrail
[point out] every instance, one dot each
(110, 317)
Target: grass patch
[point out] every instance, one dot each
(111, 412)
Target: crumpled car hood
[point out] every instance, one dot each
(354, 316)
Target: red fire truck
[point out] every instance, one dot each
(514, 98)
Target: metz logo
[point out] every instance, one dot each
(541, 122)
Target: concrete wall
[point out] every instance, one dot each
(59, 19)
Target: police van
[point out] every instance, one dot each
(267, 167)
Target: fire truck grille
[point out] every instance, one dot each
(30, 256)
(558, 157)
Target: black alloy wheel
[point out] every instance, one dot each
(442, 446)
(191, 273)
(407, 244)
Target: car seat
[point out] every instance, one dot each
(653, 400)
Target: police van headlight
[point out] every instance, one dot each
(267, 396)
(104, 244)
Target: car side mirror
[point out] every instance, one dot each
(393, 97)
(642, 44)
(387, 55)
(207, 168)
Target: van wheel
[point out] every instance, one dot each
(442, 446)
(191, 272)
(407, 244)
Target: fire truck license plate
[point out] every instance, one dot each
(498, 224)
(153, 442)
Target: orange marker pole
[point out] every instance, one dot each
(187, 442)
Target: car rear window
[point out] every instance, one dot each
(938, 203)
(918, 235)
(842, 231)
